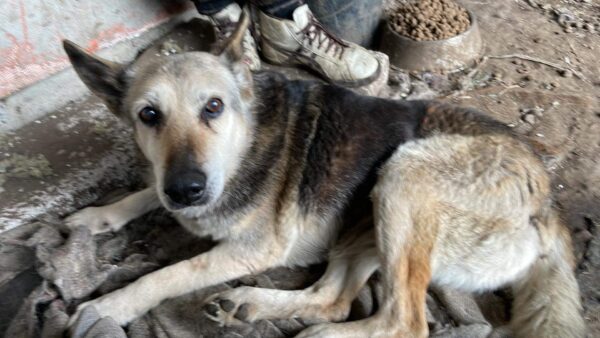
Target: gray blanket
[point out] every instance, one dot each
(76, 266)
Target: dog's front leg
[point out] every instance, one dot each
(114, 216)
(221, 264)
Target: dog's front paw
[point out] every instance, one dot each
(227, 308)
(111, 305)
(97, 219)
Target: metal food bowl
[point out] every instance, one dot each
(454, 53)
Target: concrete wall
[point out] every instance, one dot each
(31, 32)
(35, 77)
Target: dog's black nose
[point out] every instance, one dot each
(186, 189)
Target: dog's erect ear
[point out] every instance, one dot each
(101, 76)
(231, 49)
(231, 52)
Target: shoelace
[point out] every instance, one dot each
(315, 31)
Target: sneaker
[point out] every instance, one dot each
(305, 41)
(225, 22)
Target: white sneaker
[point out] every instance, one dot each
(305, 41)
(225, 22)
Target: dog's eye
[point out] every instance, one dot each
(149, 116)
(213, 108)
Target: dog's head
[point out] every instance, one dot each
(190, 112)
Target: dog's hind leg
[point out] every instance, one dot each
(114, 216)
(469, 213)
(351, 263)
(405, 269)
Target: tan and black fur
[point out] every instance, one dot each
(297, 172)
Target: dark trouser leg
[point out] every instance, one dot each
(210, 7)
(279, 8)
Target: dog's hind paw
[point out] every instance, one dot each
(97, 219)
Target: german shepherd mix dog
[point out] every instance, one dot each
(274, 170)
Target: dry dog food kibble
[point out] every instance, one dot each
(430, 19)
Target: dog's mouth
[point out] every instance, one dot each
(172, 205)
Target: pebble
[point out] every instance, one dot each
(529, 118)
(566, 19)
(566, 73)
(590, 27)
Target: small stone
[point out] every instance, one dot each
(590, 27)
(566, 73)
(554, 84)
(529, 118)
(568, 29)
(546, 7)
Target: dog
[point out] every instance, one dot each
(290, 173)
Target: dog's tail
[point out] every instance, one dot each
(547, 301)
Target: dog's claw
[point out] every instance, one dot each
(211, 309)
